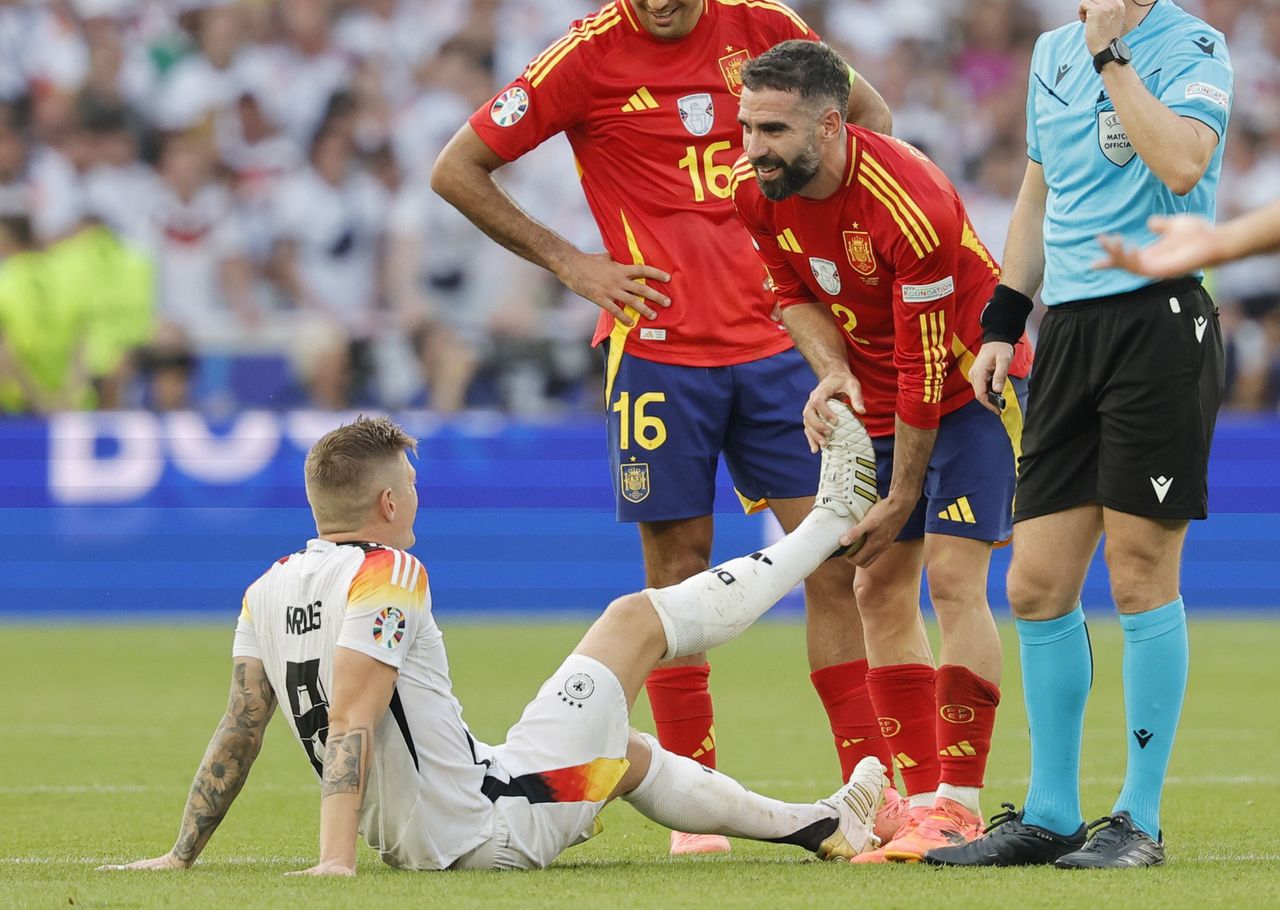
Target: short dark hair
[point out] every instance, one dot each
(811, 69)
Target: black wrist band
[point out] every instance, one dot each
(1005, 316)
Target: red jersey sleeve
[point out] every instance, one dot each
(546, 99)
(747, 200)
(920, 230)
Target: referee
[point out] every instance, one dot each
(1126, 112)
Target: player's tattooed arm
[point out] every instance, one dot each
(230, 755)
(344, 765)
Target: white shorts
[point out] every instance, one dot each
(560, 762)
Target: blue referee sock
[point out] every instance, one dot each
(1156, 657)
(1057, 671)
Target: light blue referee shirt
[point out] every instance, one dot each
(1097, 183)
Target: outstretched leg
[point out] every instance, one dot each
(681, 794)
(714, 607)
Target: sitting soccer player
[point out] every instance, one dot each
(342, 632)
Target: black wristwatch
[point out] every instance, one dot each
(1117, 50)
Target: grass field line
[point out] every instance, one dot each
(71, 789)
(104, 860)
(1227, 780)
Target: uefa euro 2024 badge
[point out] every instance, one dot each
(388, 628)
(697, 113)
(510, 107)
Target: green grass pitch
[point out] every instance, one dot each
(103, 727)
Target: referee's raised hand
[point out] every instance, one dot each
(1103, 22)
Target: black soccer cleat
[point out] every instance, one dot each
(1115, 842)
(1009, 841)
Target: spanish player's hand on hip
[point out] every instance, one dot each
(819, 419)
(1103, 22)
(989, 371)
(882, 526)
(158, 864)
(1186, 243)
(615, 286)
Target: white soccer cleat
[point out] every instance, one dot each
(847, 483)
(856, 803)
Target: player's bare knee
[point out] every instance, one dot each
(1142, 577)
(633, 615)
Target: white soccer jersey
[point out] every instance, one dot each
(424, 805)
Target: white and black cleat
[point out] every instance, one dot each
(847, 482)
(856, 803)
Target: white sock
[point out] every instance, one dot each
(922, 800)
(965, 796)
(718, 605)
(686, 796)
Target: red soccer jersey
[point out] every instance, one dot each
(893, 256)
(653, 125)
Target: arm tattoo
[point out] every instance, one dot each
(343, 763)
(226, 763)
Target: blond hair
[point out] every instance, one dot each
(347, 469)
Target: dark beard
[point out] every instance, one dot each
(795, 176)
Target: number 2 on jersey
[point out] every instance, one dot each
(718, 178)
(650, 432)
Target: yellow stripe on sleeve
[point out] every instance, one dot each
(779, 8)
(591, 28)
(893, 211)
(904, 197)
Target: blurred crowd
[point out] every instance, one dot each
(224, 203)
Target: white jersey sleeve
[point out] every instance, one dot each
(246, 640)
(385, 607)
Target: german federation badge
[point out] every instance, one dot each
(861, 256)
(635, 482)
(697, 113)
(826, 274)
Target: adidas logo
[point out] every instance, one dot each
(640, 101)
(708, 743)
(959, 750)
(1161, 485)
(959, 511)
(902, 761)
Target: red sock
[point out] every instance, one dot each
(682, 711)
(903, 696)
(843, 691)
(966, 715)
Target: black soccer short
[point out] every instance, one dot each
(1122, 402)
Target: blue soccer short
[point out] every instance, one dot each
(968, 486)
(669, 424)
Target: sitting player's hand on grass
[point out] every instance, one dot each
(158, 864)
(324, 869)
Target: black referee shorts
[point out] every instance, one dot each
(1122, 402)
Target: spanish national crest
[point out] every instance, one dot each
(861, 256)
(634, 479)
(697, 113)
(731, 66)
(826, 274)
